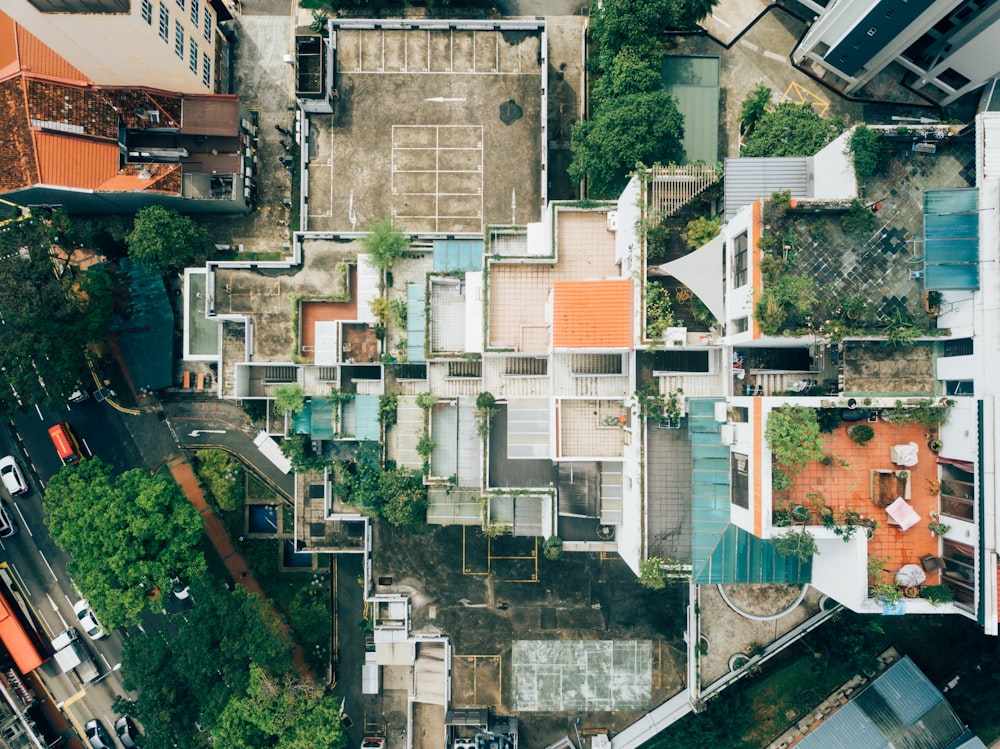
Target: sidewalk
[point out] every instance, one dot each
(181, 470)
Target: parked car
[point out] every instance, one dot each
(128, 734)
(180, 589)
(88, 621)
(96, 735)
(7, 526)
(373, 742)
(13, 477)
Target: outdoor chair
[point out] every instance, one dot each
(932, 563)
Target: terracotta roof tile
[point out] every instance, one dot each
(8, 46)
(67, 106)
(160, 179)
(37, 57)
(18, 167)
(72, 161)
(592, 314)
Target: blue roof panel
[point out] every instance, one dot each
(458, 255)
(416, 322)
(366, 426)
(951, 239)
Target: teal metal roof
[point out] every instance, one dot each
(722, 552)
(458, 254)
(321, 420)
(694, 82)
(416, 322)
(366, 426)
(951, 239)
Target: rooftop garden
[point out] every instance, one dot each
(832, 275)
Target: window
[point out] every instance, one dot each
(195, 12)
(959, 387)
(958, 347)
(181, 3)
(208, 24)
(206, 70)
(958, 493)
(740, 480)
(953, 78)
(164, 22)
(873, 31)
(740, 248)
(960, 570)
(179, 39)
(147, 11)
(741, 325)
(194, 57)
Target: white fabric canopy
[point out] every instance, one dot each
(701, 271)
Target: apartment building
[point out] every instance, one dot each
(944, 48)
(174, 45)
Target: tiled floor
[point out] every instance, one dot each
(849, 488)
(590, 429)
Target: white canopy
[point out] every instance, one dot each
(701, 271)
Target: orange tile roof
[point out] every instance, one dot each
(130, 179)
(22, 51)
(37, 57)
(74, 162)
(592, 314)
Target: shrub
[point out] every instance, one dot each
(866, 150)
(780, 480)
(553, 548)
(653, 573)
(936, 594)
(223, 477)
(425, 446)
(289, 399)
(426, 401)
(702, 230)
(829, 420)
(792, 434)
(800, 544)
(385, 242)
(858, 219)
(861, 434)
(659, 310)
(388, 403)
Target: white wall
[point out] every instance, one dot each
(833, 171)
(124, 50)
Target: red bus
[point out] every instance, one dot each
(16, 639)
(65, 443)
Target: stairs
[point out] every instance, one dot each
(611, 494)
(775, 383)
(596, 364)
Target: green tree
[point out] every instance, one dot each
(385, 242)
(623, 132)
(793, 436)
(190, 676)
(289, 399)
(50, 312)
(162, 239)
(223, 476)
(404, 497)
(553, 548)
(280, 712)
(800, 544)
(127, 536)
(791, 130)
(867, 149)
(653, 573)
(754, 107)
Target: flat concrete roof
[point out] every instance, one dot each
(438, 125)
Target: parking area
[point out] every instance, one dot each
(439, 127)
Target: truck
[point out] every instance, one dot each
(71, 654)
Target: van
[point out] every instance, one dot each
(65, 443)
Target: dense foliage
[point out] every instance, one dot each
(162, 239)
(128, 536)
(385, 242)
(397, 494)
(793, 436)
(50, 312)
(867, 149)
(204, 683)
(223, 477)
(791, 130)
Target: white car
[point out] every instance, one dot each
(13, 478)
(7, 526)
(88, 621)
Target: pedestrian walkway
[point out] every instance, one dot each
(180, 469)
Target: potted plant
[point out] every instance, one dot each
(888, 593)
(861, 434)
(932, 303)
(800, 514)
(911, 591)
(936, 527)
(935, 445)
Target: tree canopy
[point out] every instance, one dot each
(623, 23)
(385, 242)
(127, 536)
(162, 239)
(792, 434)
(790, 130)
(189, 678)
(50, 312)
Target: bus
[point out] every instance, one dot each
(65, 443)
(16, 638)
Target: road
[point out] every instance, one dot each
(39, 566)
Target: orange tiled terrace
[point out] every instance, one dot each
(847, 488)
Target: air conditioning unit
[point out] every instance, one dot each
(721, 412)
(727, 434)
(612, 220)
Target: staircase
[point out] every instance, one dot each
(611, 494)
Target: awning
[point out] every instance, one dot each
(963, 465)
(701, 271)
(951, 239)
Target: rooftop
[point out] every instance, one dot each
(592, 314)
